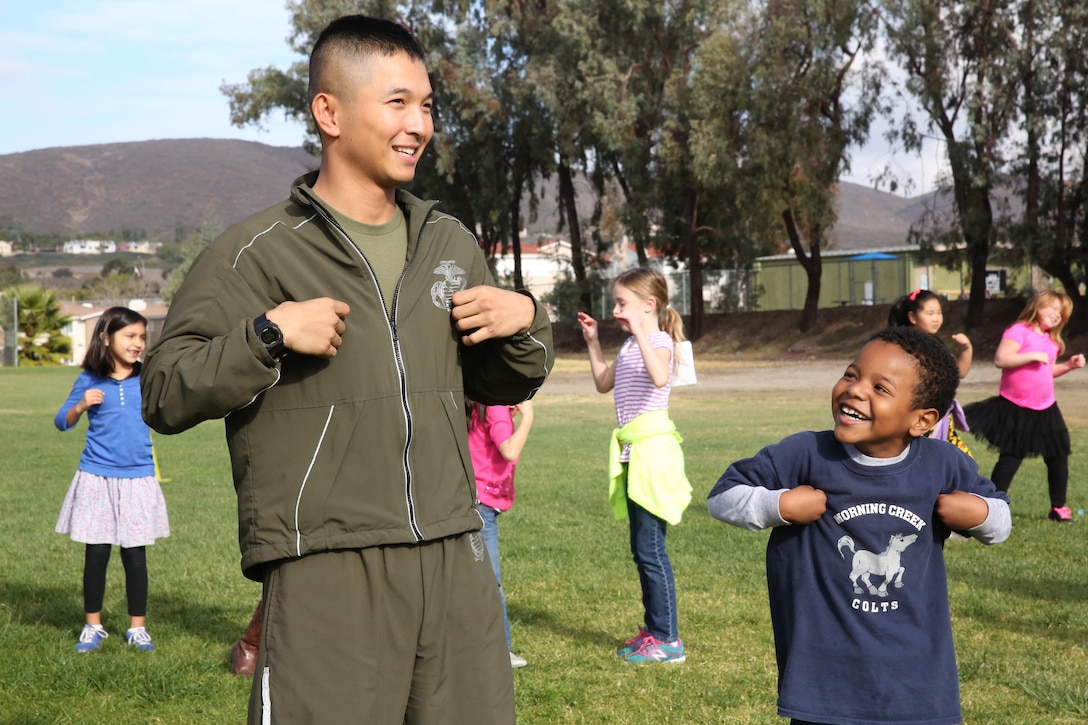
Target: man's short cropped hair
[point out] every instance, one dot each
(358, 36)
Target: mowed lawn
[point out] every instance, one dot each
(1020, 609)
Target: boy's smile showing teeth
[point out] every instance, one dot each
(851, 413)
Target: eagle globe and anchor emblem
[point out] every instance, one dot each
(453, 280)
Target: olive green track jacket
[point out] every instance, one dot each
(366, 448)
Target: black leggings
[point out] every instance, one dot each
(96, 559)
(1057, 475)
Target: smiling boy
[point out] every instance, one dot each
(855, 560)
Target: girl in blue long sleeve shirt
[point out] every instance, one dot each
(114, 497)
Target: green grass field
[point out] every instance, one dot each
(1020, 609)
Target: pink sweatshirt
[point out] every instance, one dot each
(1032, 385)
(494, 474)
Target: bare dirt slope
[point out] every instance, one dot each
(774, 335)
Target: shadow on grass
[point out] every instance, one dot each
(1038, 607)
(562, 628)
(61, 608)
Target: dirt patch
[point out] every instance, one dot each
(737, 350)
(774, 335)
(800, 379)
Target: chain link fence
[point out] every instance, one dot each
(724, 290)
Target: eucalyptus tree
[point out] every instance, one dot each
(554, 47)
(783, 95)
(669, 97)
(1049, 166)
(616, 76)
(960, 59)
(497, 136)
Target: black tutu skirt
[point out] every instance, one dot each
(1006, 427)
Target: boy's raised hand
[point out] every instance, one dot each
(961, 511)
(802, 505)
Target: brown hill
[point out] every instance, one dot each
(160, 189)
(164, 189)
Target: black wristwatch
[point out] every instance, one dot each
(271, 337)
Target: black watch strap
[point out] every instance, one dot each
(270, 335)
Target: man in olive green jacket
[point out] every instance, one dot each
(336, 334)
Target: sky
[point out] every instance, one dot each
(80, 72)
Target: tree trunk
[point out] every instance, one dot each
(813, 267)
(515, 227)
(467, 215)
(637, 237)
(976, 220)
(577, 259)
(694, 255)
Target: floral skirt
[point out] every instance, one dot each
(123, 511)
(948, 428)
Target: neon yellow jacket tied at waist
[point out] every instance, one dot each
(655, 477)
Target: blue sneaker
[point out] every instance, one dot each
(140, 639)
(634, 644)
(655, 651)
(90, 638)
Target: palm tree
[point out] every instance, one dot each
(40, 323)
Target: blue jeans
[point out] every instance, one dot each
(490, 534)
(654, 572)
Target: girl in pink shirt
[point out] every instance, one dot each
(495, 445)
(1024, 419)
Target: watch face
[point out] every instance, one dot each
(270, 336)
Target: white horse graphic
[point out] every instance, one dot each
(866, 563)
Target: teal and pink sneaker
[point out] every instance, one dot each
(634, 644)
(654, 651)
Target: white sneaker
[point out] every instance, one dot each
(90, 638)
(516, 661)
(140, 639)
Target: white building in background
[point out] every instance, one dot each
(138, 247)
(89, 246)
(543, 263)
(7, 249)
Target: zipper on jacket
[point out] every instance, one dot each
(402, 374)
(398, 355)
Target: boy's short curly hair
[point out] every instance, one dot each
(938, 375)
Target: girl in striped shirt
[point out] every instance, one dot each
(648, 485)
